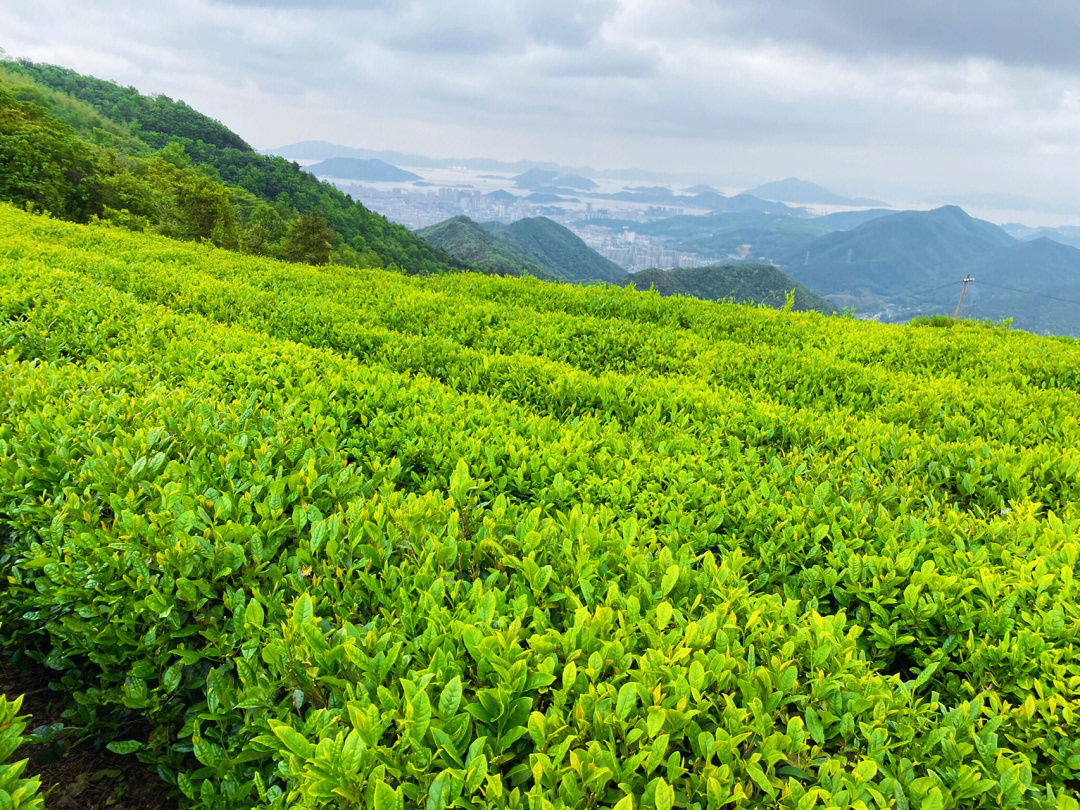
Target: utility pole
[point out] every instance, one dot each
(967, 280)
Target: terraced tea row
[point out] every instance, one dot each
(335, 552)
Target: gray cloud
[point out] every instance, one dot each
(1036, 32)
(942, 96)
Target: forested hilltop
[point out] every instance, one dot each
(83, 147)
(315, 539)
(741, 283)
(474, 244)
(534, 246)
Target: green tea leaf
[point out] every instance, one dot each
(450, 698)
(626, 701)
(664, 795)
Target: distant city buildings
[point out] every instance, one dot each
(603, 229)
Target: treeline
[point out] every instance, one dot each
(82, 148)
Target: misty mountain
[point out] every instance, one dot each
(794, 190)
(371, 170)
(557, 249)
(575, 181)
(742, 283)
(499, 195)
(535, 177)
(544, 197)
(750, 236)
(1065, 234)
(706, 200)
(749, 202)
(896, 254)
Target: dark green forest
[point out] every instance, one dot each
(741, 283)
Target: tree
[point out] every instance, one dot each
(310, 240)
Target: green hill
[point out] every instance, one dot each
(896, 254)
(558, 249)
(324, 538)
(269, 195)
(480, 248)
(742, 283)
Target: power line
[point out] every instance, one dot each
(1029, 292)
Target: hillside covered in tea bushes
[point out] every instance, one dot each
(337, 538)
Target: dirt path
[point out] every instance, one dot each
(77, 773)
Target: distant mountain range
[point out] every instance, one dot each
(747, 236)
(371, 170)
(913, 261)
(706, 200)
(536, 246)
(895, 254)
(889, 265)
(542, 248)
(322, 150)
(793, 190)
(743, 283)
(1065, 234)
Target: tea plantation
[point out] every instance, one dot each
(332, 538)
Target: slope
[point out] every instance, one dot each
(558, 249)
(291, 535)
(158, 121)
(743, 283)
(483, 249)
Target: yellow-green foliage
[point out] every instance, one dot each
(16, 793)
(346, 538)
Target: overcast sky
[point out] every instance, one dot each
(945, 97)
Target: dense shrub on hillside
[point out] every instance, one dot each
(43, 163)
(315, 539)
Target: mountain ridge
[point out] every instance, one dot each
(471, 242)
(557, 248)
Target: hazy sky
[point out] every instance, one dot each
(957, 96)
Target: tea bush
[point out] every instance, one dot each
(338, 538)
(16, 792)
